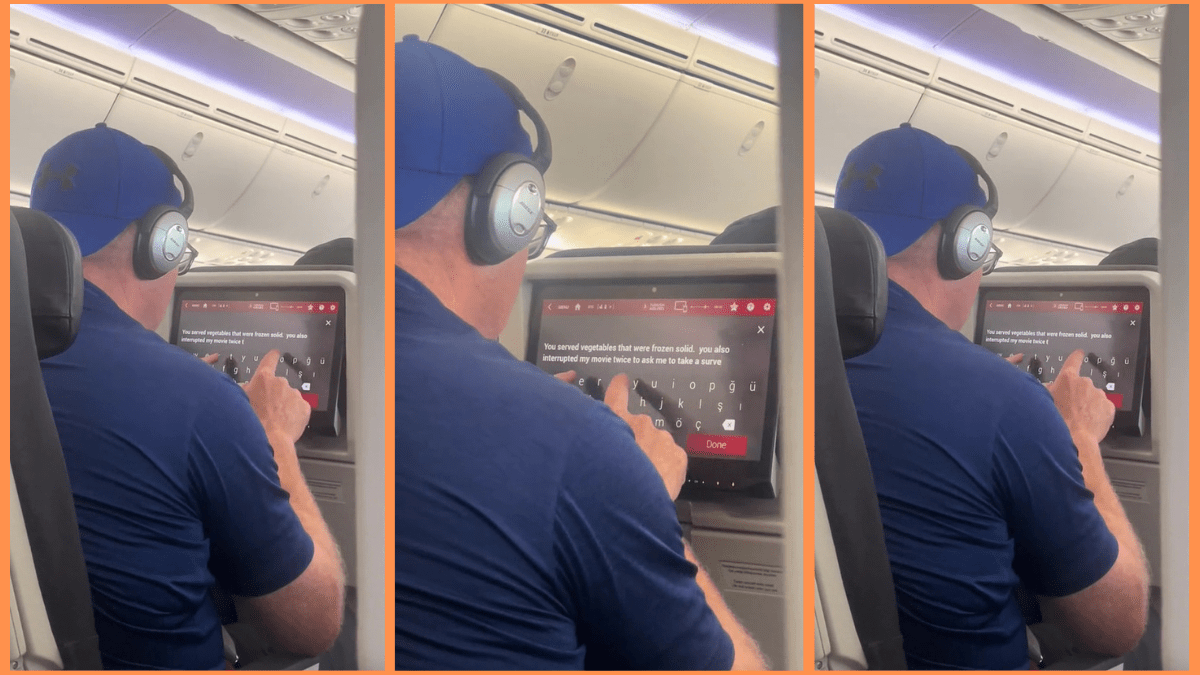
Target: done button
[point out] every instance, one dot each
(708, 444)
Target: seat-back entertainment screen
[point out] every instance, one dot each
(1110, 325)
(700, 357)
(241, 325)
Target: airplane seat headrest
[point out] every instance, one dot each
(860, 282)
(1143, 251)
(756, 228)
(334, 252)
(55, 271)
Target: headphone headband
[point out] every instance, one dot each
(993, 199)
(188, 203)
(543, 153)
(162, 232)
(967, 230)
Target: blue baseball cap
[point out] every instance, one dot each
(98, 181)
(451, 118)
(902, 181)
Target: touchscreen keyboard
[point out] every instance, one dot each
(698, 367)
(297, 369)
(242, 331)
(705, 416)
(1107, 331)
(302, 371)
(1107, 372)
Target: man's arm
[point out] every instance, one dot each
(305, 616)
(1109, 616)
(671, 462)
(746, 654)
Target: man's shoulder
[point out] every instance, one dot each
(942, 349)
(132, 355)
(546, 425)
(471, 368)
(928, 372)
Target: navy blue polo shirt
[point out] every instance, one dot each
(531, 531)
(176, 491)
(980, 489)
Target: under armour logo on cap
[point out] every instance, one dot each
(869, 178)
(65, 178)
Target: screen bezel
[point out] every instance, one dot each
(704, 474)
(1125, 421)
(324, 422)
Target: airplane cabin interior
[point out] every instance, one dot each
(668, 124)
(258, 105)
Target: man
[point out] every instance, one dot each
(1142, 251)
(987, 480)
(184, 485)
(532, 531)
(338, 251)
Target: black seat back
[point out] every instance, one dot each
(846, 270)
(860, 285)
(45, 303)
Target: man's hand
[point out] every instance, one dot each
(210, 359)
(1015, 359)
(659, 446)
(1084, 407)
(568, 377)
(279, 407)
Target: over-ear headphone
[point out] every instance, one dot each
(508, 196)
(161, 237)
(967, 231)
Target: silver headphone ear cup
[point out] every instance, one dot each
(515, 207)
(168, 241)
(972, 239)
(966, 239)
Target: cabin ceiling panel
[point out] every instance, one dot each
(417, 19)
(48, 102)
(605, 102)
(712, 157)
(219, 161)
(294, 202)
(853, 103)
(1025, 162)
(1101, 201)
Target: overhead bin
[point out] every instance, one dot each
(1101, 201)
(58, 44)
(1023, 160)
(711, 158)
(318, 143)
(1124, 143)
(219, 161)
(296, 202)
(622, 28)
(875, 50)
(735, 70)
(47, 102)
(1028, 105)
(598, 103)
(417, 19)
(178, 89)
(854, 102)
